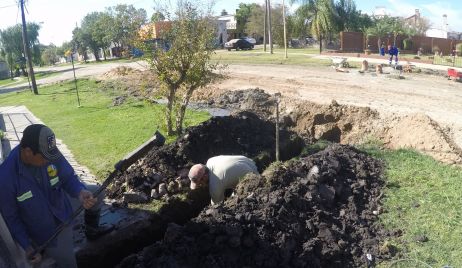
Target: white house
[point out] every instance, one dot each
(224, 24)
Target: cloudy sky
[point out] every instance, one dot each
(59, 17)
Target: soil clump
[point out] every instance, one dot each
(317, 211)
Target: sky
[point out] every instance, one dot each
(59, 17)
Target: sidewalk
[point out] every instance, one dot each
(385, 61)
(13, 121)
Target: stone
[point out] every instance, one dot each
(162, 189)
(135, 197)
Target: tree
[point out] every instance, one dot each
(184, 65)
(301, 20)
(11, 40)
(349, 18)
(378, 29)
(50, 55)
(127, 20)
(157, 16)
(243, 15)
(324, 18)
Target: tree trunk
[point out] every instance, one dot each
(104, 53)
(379, 43)
(169, 110)
(320, 44)
(182, 111)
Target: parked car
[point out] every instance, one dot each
(250, 40)
(238, 44)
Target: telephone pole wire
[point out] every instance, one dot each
(27, 49)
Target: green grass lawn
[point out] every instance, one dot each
(98, 133)
(10, 82)
(257, 56)
(423, 198)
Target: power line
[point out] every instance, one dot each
(7, 6)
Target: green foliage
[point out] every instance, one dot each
(459, 49)
(126, 22)
(2, 135)
(323, 19)
(50, 55)
(186, 65)
(349, 19)
(407, 44)
(157, 16)
(11, 42)
(243, 15)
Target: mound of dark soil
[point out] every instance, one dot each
(314, 212)
(241, 134)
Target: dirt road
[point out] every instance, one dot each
(432, 95)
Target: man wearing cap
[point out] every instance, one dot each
(221, 173)
(34, 183)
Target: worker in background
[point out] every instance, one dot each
(221, 173)
(35, 183)
(393, 52)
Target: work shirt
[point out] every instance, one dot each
(225, 172)
(34, 205)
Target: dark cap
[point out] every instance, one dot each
(41, 139)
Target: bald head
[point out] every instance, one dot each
(197, 175)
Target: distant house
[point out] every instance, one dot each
(4, 70)
(226, 26)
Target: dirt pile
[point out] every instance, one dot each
(421, 133)
(163, 171)
(130, 82)
(317, 211)
(347, 124)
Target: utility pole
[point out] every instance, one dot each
(270, 33)
(27, 49)
(264, 25)
(285, 30)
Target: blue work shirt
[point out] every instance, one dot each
(33, 209)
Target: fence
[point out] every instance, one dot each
(448, 61)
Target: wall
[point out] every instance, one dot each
(354, 42)
(4, 71)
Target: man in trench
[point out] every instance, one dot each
(221, 174)
(35, 183)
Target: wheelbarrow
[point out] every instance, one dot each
(453, 73)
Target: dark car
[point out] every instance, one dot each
(238, 44)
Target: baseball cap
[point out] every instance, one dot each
(41, 139)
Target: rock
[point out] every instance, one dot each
(162, 189)
(154, 194)
(135, 197)
(172, 187)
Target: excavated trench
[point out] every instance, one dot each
(161, 176)
(319, 209)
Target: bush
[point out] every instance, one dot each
(407, 44)
(459, 49)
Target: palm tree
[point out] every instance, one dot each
(379, 29)
(323, 19)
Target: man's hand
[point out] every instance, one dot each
(87, 199)
(35, 258)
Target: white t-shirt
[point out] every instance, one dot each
(225, 172)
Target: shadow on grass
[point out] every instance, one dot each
(43, 74)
